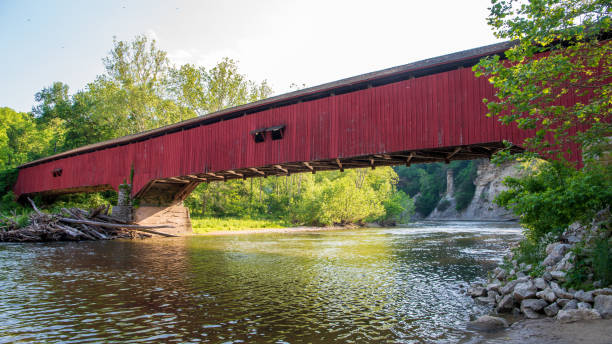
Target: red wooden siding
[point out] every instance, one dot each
(443, 109)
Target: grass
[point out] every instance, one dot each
(211, 224)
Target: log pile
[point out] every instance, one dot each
(73, 224)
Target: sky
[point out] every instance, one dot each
(284, 42)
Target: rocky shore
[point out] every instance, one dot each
(536, 292)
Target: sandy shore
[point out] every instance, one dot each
(550, 331)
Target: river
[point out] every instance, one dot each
(391, 285)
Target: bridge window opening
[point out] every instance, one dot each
(259, 135)
(57, 172)
(277, 132)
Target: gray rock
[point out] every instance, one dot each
(533, 304)
(565, 263)
(516, 312)
(494, 286)
(505, 304)
(547, 276)
(603, 304)
(523, 279)
(555, 253)
(572, 315)
(531, 314)
(520, 275)
(551, 310)
(500, 274)
(488, 323)
(558, 275)
(603, 291)
(584, 305)
(560, 292)
(540, 283)
(508, 288)
(476, 291)
(525, 290)
(572, 304)
(485, 300)
(583, 296)
(547, 294)
(492, 294)
(562, 302)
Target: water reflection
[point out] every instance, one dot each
(375, 285)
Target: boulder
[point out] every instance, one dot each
(500, 274)
(603, 291)
(488, 323)
(551, 310)
(547, 294)
(547, 276)
(476, 291)
(584, 305)
(583, 296)
(492, 294)
(562, 302)
(565, 263)
(603, 304)
(560, 292)
(505, 304)
(540, 283)
(525, 290)
(508, 288)
(494, 286)
(572, 315)
(531, 314)
(555, 253)
(533, 304)
(558, 275)
(485, 300)
(572, 304)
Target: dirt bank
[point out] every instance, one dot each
(550, 331)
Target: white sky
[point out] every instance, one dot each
(303, 42)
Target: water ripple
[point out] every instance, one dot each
(399, 285)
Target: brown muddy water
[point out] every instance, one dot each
(387, 285)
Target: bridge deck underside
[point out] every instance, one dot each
(175, 189)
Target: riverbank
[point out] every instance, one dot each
(550, 331)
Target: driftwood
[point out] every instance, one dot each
(73, 224)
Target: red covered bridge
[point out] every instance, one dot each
(425, 111)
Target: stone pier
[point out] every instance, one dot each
(176, 215)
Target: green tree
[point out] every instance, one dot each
(559, 53)
(221, 87)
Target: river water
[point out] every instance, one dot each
(389, 285)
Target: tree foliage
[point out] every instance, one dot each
(562, 52)
(353, 196)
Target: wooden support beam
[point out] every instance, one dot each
(279, 167)
(215, 175)
(309, 167)
(193, 176)
(179, 180)
(339, 165)
(409, 159)
(448, 157)
(235, 173)
(257, 171)
(372, 164)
